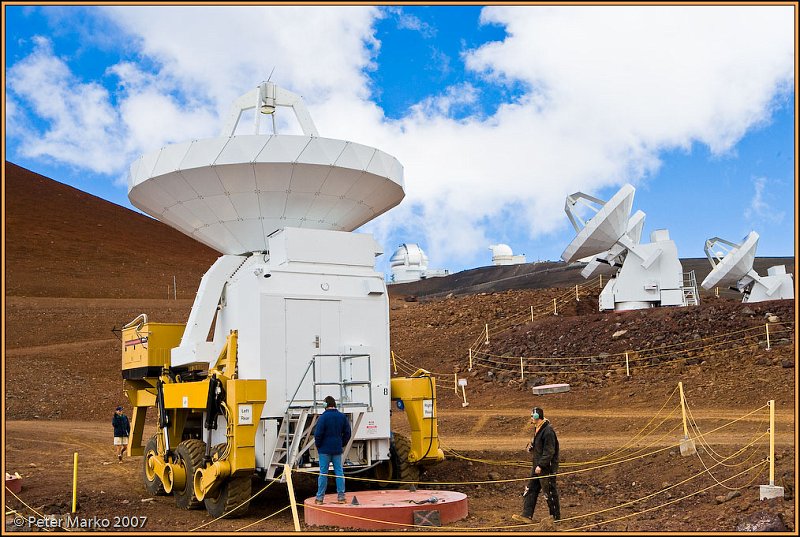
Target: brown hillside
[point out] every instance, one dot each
(61, 242)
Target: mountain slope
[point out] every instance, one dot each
(62, 242)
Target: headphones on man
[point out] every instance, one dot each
(537, 413)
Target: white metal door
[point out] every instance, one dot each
(312, 328)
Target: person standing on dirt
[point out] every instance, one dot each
(544, 446)
(122, 429)
(331, 434)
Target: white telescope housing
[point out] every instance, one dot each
(409, 263)
(649, 274)
(311, 311)
(733, 267)
(503, 255)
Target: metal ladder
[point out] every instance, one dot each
(293, 440)
(690, 295)
(295, 434)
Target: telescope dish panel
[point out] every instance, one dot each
(203, 153)
(381, 196)
(298, 204)
(735, 265)
(273, 177)
(282, 149)
(241, 149)
(170, 158)
(384, 165)
(322, 151)
(635, 226)
(604, 229)
(355, 156)
(309, 179)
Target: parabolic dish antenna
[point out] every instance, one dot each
(731, 261)
(616, 255)
(233, 191)
(603, 230)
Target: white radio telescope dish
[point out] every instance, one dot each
(733, 267)
(647, 275)
(233, 191)
(604, 229)
(731, 262)
(615, 256)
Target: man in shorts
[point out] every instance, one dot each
(122, 429)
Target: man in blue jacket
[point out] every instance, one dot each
(331, 434)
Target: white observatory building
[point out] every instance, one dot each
(503, 255)
(409, 263)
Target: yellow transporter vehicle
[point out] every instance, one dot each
(178, 461)
(294, 304)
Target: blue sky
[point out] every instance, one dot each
(496, 113)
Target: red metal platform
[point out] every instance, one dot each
(385, 509)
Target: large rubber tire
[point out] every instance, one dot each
(403, 469)
(190, 454)
(234, 493)
(152, 482)
(383, 474)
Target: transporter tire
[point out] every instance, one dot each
(190, 453)
(383, 474)
(152, 482)
(403, 469)
(232, 498)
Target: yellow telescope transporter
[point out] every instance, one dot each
(294, 302)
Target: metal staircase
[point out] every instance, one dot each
(294, 439)
(690, 295)
(295, 433)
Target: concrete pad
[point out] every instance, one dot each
(550, 388)
(386, 509)
(767, 492)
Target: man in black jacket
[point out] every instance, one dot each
(544, 446)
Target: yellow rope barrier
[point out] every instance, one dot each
(263, 519)
(662, 505)
(223, 515)
(31, 509)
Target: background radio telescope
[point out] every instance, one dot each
(649, 274)
(733, 267)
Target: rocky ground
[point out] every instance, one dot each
(62, 380)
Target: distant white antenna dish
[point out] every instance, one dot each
(604, 229)
(648, 275)
(616, 255)
(733, 267)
